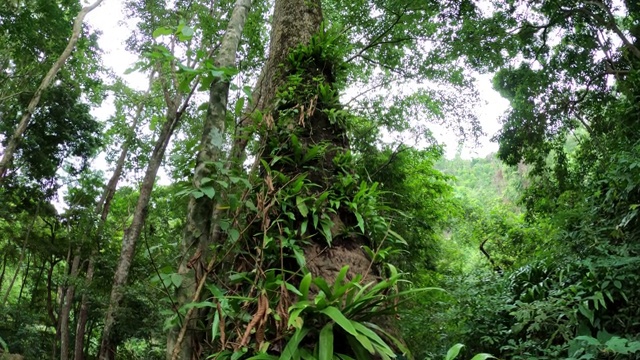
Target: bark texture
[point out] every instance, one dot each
(132, 234)
(201, 230)
(294, 23)
(12, 145)
(102, 209)
(66, 309)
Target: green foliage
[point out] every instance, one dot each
(343, 311)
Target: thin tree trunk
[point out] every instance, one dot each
(34, 292)
(21, 259)
(92, 326)
(24, 278)
(12, 145)
(131, 235)
(61, 297)
(4, 269)
(83, 315)
(102, 208)
(50, 306)
(200, 212)
(66, 308)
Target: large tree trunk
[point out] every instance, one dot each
(294, 23)
(12, 145)
(198, 233)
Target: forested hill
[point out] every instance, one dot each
(294, 220)
(485, 180)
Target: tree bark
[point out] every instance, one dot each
(50, 303)
(131, 235)
(102, 209)
(66, 308)
(24, 278)
(176, 106)
(288, 31)
(36, 285)
(12, 145)
(21, 259)
(4, 269)
(197, 235)
(294, 23)
(83, 316)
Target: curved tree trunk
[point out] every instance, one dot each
(12, 145)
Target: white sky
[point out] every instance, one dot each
(108, 18)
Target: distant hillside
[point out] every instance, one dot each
(486, 180)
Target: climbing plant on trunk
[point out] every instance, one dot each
(302, 216)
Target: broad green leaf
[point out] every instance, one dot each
(336, 315)
(368, 332)
(164, 30)
(360, 221)
(322, 284)
(239, 107)
(187, 33)
(302, 207)
(399, 238)
(234, 234)
(366, 343)
(360, 352)
(176, 280)
(453, 352)
(262, 356)
(304, 285)
(326, 230)
(292, 346)
(238, 354)
(399, 345)
(340, 277)
(483, 357)
(199, 305)
(299, 255)
(197, 194)
(326, 342)
(215, 326)
(292, 289)
(209, 191)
